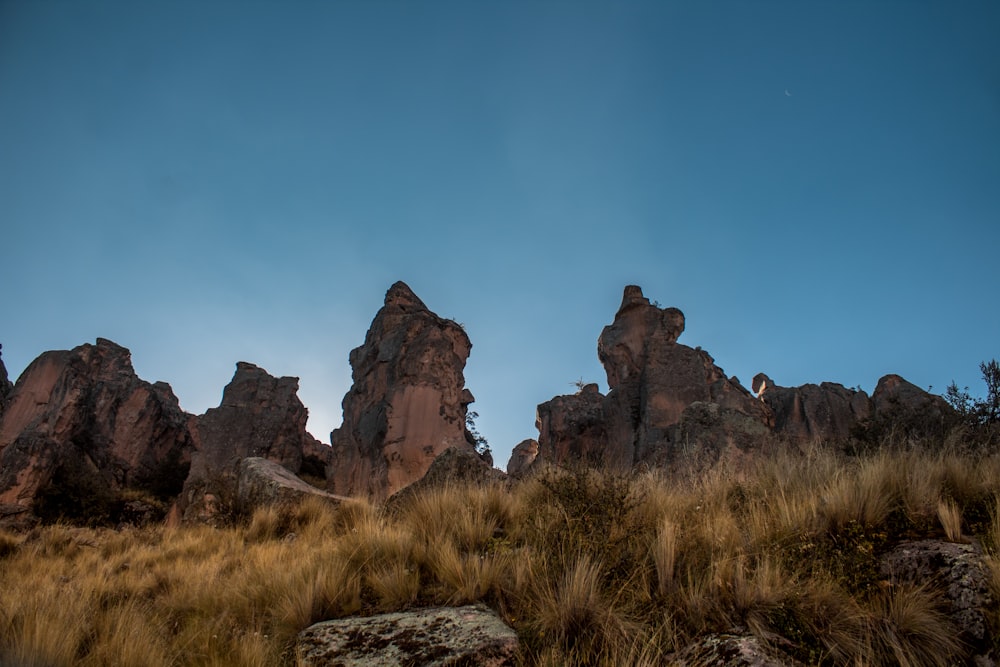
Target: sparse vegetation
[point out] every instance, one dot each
(590, 567)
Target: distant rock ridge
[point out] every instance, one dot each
(670, 403)
(408, 402)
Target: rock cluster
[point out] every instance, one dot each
(260, 416)
(408, 402)
(82, 431)
(670, 403)
(80, 426)
(655, 408)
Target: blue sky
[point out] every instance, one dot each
(815, 184)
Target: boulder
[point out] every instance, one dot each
(472, 636)
(408, 402)
(80, 427)
(263, 482)
(826, 412)
(731, 650)
(962, 575)
(259, 416)
(521, 458)
(653, 379)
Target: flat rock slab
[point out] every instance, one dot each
(471, 636)
(727, 650)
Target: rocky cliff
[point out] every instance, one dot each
(827, 411)
(80, 427)
(408, 402)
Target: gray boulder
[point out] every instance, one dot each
(471, 636)
(731, 650)
(263, 482)
(960, 571)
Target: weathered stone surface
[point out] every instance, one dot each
(472, 636)
(575, 428)
(653, 379)
(6, 386)
(810, 412)
(408, 402)
(909, 408)
(730, 650)
(521, 458)
(264, 482)
(81, 426)
(453, 467)
(708, 432)
(260, 416)
(959, 570)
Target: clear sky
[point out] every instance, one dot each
(815, 184)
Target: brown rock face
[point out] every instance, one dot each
(652, 379)
(260, 416)
(575, 428)
(408, 402)
(903, 408)
(826, 412)
(80, 426)
(524, 454)
(5, 385)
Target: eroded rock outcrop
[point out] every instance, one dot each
(259, 416)
(80, 427)
(653, 380)
(828, 411)
(472, 635)
(408, 402)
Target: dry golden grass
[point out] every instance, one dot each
(589, 567)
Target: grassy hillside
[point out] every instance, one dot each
(589, 567)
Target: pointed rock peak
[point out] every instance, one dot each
(632, 297)
(400, 294)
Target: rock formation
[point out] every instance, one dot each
(263, 482)
(260, 416)
(408, 402)
(653, 380)
(80, 427)
(524, 454)
(5, 385)
(827, 411)
(895, 398)
(472, 635)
